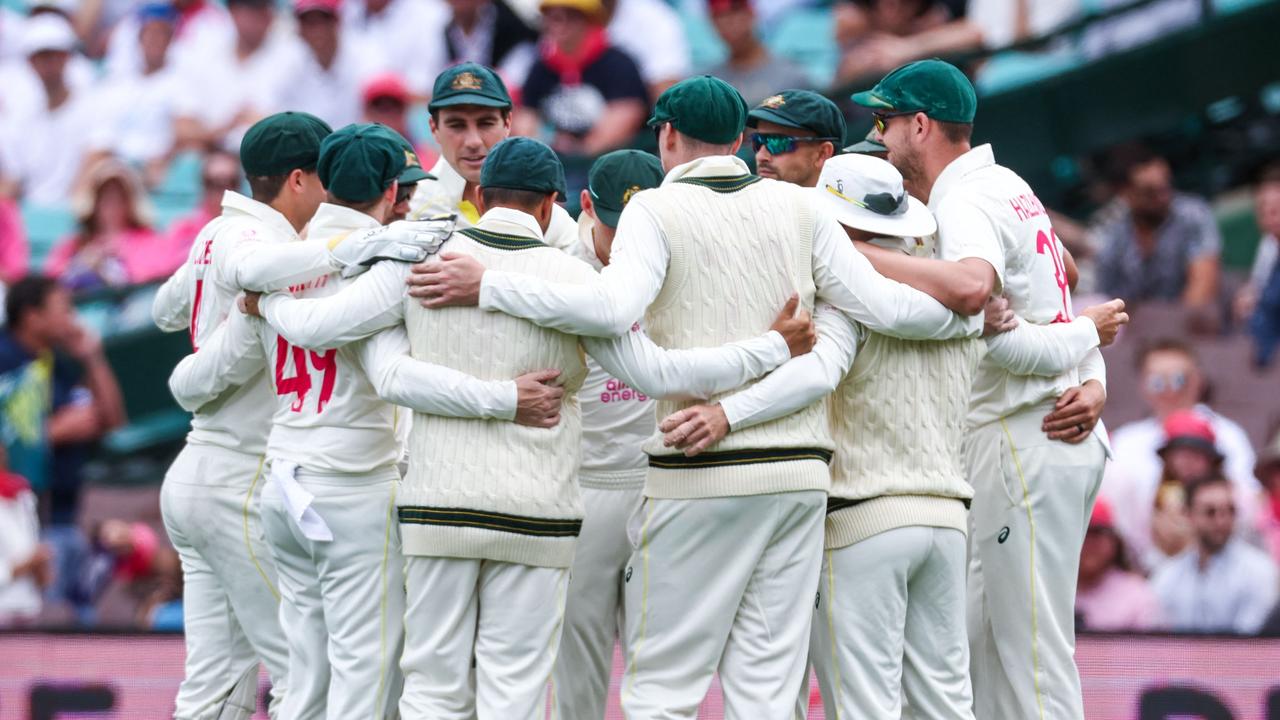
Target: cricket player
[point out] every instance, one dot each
(328, 511)
(728, 545)
(470, 113)
(616, 421)
(1034, 449)
(897, 516)
(795, 132)
(209, 499)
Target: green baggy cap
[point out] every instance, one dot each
(936, 88)
(618, 175)
(413, 171)
(801, 109)
(870, 145)
(521, 163)
(281, 143)
(705, 108)
(360, 161)
(469, 84)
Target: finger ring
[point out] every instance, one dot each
(1080, 427)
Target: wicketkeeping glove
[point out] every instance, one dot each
(403, 240)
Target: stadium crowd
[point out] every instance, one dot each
(107, 105)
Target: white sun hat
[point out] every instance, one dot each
(866, 193)
(47, 31)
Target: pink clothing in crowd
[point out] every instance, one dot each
(177, 241)
(1121, 601)
(1269, 525)
(133, 256)
(15, 254)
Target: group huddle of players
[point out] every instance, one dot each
(837, 415)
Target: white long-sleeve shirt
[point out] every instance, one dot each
(19, 538)
(202, 292)
(330, 413)
(638, 266)
(376, 300)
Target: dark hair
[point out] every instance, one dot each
(509, 197)
(956, 132)
(266, 188)
(1196, 486)
(1166, 344)
(363, 206)
(1138, 157)
(29, 293)
(1270, 173)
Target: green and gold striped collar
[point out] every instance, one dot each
(501, 241)
(722, 184)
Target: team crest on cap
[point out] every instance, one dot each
(774, 101)
(466, 81)
(626, 195)
(411, 159)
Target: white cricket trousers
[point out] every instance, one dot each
(593, 619)
(209, 502)
(1032, 501)
(889, 624)
(722, 584)
(342, 601)
(504, 618)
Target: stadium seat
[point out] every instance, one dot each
(807, 36)
(45, 225)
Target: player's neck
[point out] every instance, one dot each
(471, 193)
(935, 163)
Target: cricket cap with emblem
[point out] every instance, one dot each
(469, 84)
(803, 110)
(934, 87)
(281, 143)
(413, 171)
(705, 108)
(521, 163)
(866, 193)
(615, 177)
(360, 161)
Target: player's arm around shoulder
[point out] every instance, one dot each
(229, 358)
(372, 302)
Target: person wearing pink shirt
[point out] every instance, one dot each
(220, 173)
(1110, 596)
(114, 245)
(15, 253)
(1268, 518)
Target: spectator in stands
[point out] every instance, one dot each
(327, 76)
(750, 67)
(136, 113)
(1164, 245)
(1110, 596)
(239, 83)
(589, 92)
(220, 172)
(1221, 584)
(26, 565)
(1171, 380)
(44, 143)
(114, 245)
(386, 100)
(132, 573)
(1268, 518)
(1189, 454)
(489, 33)
(876, 36)
(1259, 300)
(397, 28)
(203, 26)
(661, 51)
(1146, 22)
(15, 254)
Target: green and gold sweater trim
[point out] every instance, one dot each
(501, 241)
(501, 522)
(739, 457)
(732, 183)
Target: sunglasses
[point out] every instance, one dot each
(878, 203)
(880, 118)
(404, 192)
(782, 144)
(1173, 382)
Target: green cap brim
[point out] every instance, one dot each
(414, 174)
(755, 116)
(869, 99)
(467, 99)
(865, 147)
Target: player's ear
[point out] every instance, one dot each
(481, 208)
(584, 200)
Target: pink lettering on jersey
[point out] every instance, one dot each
(1047, 244)
(617, 391)
(299, 384)
(1026, 206)
(204, 258)
(319, 282)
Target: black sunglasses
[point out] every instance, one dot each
(778, 144)
(404, 192)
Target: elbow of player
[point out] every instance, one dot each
(970, 297)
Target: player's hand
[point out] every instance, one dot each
(249, 303)
(537, 400)
(695, 429)
(1075, 413)
(998, 317)
(1108, 317)
(404, 240)
(795, 327)
(451, 280)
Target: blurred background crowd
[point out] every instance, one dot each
(119, 127)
